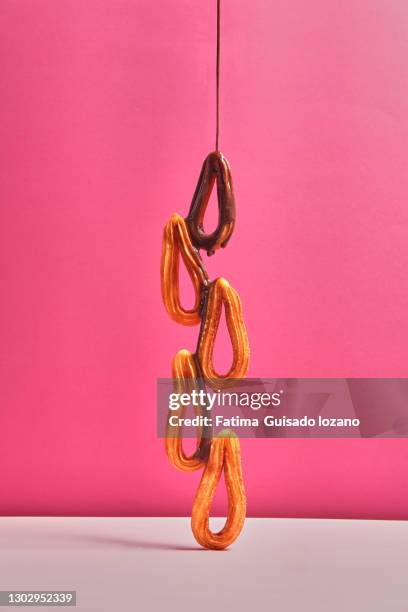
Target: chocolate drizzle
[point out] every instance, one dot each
(215, 168)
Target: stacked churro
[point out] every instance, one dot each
(185, 238)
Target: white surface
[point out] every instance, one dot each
(143, 564)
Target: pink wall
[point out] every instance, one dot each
(106, 114)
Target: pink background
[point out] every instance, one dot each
(107, 112)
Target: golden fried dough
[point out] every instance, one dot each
(193, 371)
(176, 242)
(224, 455)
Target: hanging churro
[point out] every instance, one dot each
(176, 242)
(220, 454)
(221, 293)
(185, 380)
(215, 168)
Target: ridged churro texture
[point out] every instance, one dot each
(225, 455)
(222, 294)
(185, 375)
(176, 243)
(183, 239)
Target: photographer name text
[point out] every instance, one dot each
(267, 421)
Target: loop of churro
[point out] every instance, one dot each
(224, 456)
(185, 379)
(176, 242)
(221, 293)
(215, 168)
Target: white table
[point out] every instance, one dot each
(143, 564)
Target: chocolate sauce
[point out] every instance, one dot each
(215, 169)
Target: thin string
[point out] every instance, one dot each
(217, 129)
